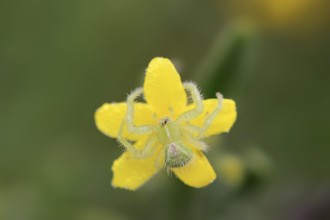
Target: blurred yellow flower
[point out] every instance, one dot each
(292, 13)
(232, 170)
(166, 131)
(289, 15)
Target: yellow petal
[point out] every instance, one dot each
(223, 121)
(197, 173)
(131, 173)
(109, 117)
(163, 88)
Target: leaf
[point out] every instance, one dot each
(230, 61)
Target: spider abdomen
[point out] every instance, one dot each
(177, 155)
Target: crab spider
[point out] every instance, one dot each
(169, 132)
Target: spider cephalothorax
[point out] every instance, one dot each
(169, 132)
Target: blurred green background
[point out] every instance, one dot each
(60, 60)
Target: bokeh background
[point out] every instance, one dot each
(60, 60)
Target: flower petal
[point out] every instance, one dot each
(163, 88)
(109, 117)
(223, 121)
(131, 173)
(197, 173)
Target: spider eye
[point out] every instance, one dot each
(164, 122)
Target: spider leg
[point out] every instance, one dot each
(197, 100)
(201, 145)
(137, 153)
(130, 114)
(149, 149)
(212, 116)
(193, 140)
(192, 129)
(123, 141)
(160, 162)
(199, 132)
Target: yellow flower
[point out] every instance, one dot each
(232, 169)
(291, 16)
(166, 131)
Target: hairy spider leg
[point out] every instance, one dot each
(137, 153)
(194, 141)
(193, 130)
(149, 148)
(192, 137)
(144, 129)
(200, 131)
(212, 116)
(197, 100)
(160, 162)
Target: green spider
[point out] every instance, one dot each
(170, 132)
